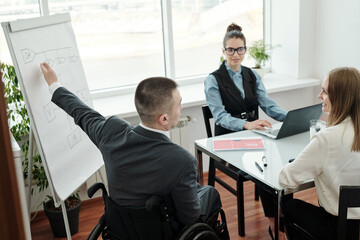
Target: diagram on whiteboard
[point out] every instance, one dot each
(53, 56)
(74, 133)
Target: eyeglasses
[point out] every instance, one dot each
(231, 51)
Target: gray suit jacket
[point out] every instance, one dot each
(139, 163)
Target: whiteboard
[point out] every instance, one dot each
(69, 156)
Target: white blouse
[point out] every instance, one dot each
(328, 160)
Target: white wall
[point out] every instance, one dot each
(285, 31)
(306, 39)
(292, 26)
(316, 36)
(337, 35)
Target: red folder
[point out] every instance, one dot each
(239, 144)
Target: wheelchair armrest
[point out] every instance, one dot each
(95, 233)
(96, 186)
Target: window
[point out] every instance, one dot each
(199, 28)
(121, 41)
(11, 10)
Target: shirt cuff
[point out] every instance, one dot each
(53, 87)
(241, 125)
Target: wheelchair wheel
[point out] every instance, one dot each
(198, 231)
(206, 235)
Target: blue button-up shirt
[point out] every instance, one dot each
(222, 117)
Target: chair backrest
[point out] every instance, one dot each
(149, 222)
(207, 116)
(136, 223)
(349, 198)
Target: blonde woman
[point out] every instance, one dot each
(332, 159)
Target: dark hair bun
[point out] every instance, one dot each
(233, 27)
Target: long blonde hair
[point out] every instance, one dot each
(344, 95)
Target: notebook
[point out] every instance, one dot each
(296, 121)
(253, 143)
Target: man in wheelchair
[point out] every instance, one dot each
(141, 161)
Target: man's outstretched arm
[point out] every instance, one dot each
(90, 121)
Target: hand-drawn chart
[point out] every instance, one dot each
(74, 135)
(53, 56)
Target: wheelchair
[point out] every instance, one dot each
(151, 222)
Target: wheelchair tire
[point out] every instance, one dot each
(206, 235)
(198, 231)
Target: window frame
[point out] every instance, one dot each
(168, 46)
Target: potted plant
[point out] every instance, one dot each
(56, 219)
(260, 52)
(19, 123)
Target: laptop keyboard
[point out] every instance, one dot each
(274, 132)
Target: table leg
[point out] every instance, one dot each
(240, 207)
(200, 166)
(277, 198)
(211, 173)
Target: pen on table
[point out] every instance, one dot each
(258, 167)
(264, 161)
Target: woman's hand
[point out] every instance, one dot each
(257, 124)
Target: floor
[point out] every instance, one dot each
(256, 224)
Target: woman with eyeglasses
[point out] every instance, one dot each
(234, 94)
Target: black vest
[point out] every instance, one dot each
(231, 97)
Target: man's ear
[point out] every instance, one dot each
(163, 119)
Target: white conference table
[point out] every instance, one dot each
(277, 152)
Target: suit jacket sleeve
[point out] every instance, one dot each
(185, 196)
(90, 121)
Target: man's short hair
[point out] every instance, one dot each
(154, 96)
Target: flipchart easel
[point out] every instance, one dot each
(69, 157)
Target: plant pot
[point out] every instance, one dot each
(260, 71)
(57, 221)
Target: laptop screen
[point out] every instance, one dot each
(297, 121)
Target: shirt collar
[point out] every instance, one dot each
(166, 133)
(232, 72)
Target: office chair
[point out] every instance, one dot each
(233, 173)
(349, 198)
(150, 222)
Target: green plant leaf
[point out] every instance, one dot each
(260, 52)
(20, 126)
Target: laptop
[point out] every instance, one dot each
(296, 121)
